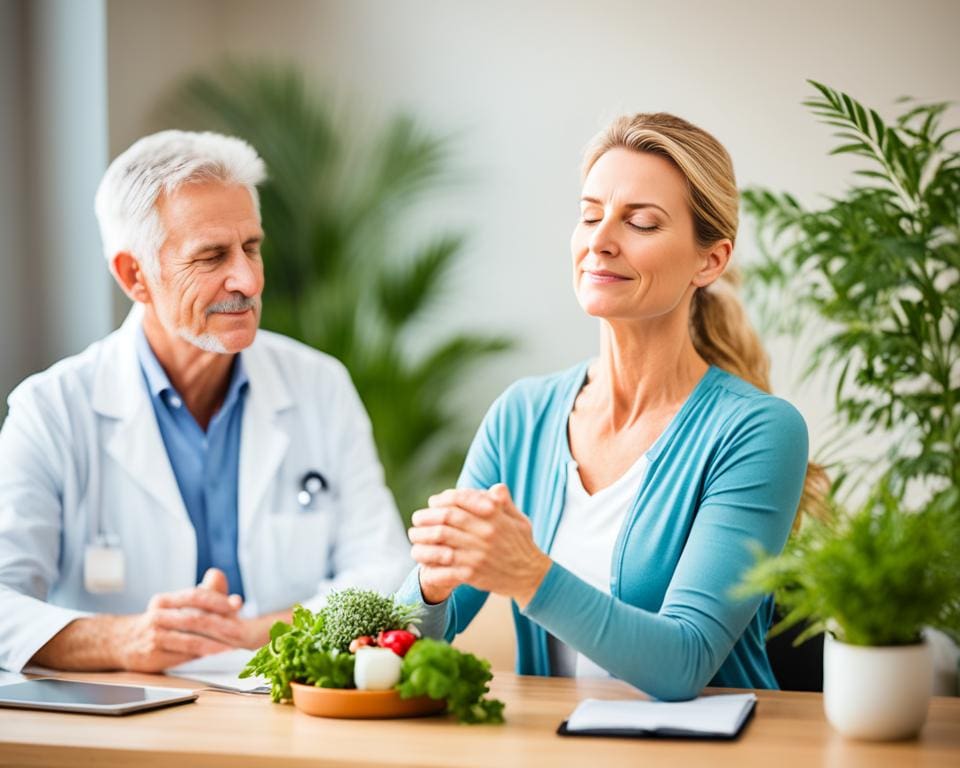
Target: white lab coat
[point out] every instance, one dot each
(82, 437)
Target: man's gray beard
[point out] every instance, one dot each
(208, 342)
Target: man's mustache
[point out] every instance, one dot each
(239, 303)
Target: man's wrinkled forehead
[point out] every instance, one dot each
(210, 214)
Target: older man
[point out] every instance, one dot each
(175, 488)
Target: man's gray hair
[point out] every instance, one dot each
(160, 164)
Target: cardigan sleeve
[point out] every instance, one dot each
(750, 494)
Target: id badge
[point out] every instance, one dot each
(103, 568)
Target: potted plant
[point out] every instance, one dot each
(872, 579)
(879, 268)
(875, 271)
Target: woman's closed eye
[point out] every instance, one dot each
(591, 215)
(641, 225)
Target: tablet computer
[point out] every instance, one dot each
(89, 698)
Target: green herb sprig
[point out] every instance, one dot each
(438, 670)
(296, 652)
(876, 576)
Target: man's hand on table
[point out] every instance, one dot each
(176, 627)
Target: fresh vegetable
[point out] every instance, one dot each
(438, 670)
(353, 613)
(316, 649)
(397, 640)
(376, 669)
(295, 652)
(361, 642)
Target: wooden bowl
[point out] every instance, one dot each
(353, 704)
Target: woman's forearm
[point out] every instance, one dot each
(665, 656)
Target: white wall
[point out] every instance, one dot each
(527, 83)
(54, 294)
(67, 147)
(12, 262)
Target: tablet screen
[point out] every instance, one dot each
(72, 696)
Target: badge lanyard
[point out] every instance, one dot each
(104, 566)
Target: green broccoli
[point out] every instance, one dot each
(352, 612)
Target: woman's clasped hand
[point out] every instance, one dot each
(479, 538)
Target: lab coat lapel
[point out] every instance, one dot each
(132, 436)
(263, 439)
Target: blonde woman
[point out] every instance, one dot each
(615, 502)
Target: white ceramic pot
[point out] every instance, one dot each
(876, 693)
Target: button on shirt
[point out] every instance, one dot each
(205, 464)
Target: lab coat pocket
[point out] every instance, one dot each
(302, 542)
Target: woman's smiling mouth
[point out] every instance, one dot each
(603, 276)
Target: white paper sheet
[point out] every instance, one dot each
(221, 670)
(11, 677)
(721, 715)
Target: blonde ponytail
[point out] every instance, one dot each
(722, 333)
(719, 326)
(723, 336)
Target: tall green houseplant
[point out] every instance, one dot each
(335, 276)
(881, 265)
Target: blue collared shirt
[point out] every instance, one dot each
(206, 464)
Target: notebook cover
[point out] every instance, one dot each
(660, 733)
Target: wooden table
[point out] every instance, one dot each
(247, 730)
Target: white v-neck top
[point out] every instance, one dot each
(583, 544)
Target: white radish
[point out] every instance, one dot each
(376, 669)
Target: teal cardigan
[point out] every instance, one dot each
(728, 471)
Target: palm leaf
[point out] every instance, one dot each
(405, 291)
(335, 196)
(878, 268)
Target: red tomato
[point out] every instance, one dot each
(360, 642)
(397, 640)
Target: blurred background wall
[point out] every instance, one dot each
(521, 85)
(54, 291)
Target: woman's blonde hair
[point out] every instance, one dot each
(719, 327)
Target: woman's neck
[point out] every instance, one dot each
(643, 367)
